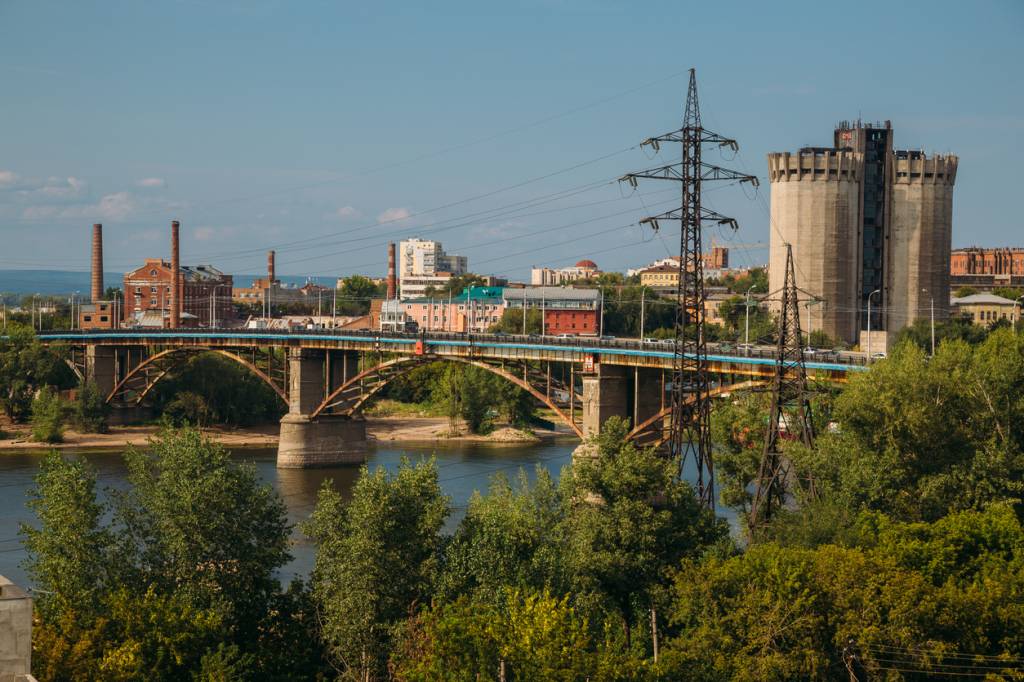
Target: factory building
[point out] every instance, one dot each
(867, 223)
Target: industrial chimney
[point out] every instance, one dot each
(97, 263)
(270, 268)
(391, 272)
(175, 277)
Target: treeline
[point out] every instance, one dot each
(467, 395)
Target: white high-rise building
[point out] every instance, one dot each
(423, 263)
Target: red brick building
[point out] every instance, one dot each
(205, 297)
(567, 310)
(977, 261)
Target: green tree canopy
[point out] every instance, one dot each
(377, 559)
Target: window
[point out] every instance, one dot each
(152, 301)
(103, 318)
(138, 290)
(88, 318)
(152, 273)
(152, 290)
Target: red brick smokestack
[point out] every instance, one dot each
(97, 263)
(270, 268)
(391, 272)
(175, 278)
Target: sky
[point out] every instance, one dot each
(326, 129)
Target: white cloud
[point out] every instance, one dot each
(152, 182)
(115, 206)
(8, 178)
(205, 233)
(346, 213)
(52, 188)
(392, 215)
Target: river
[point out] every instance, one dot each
(462, 469)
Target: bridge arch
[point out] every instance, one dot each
(352, 395)
(145, 375)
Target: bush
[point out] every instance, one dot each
(48, 413)
(187, 408)
(91, 410)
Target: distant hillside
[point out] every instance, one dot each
(56, 282)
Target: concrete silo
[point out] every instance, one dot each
(815, 199)
(920, 237)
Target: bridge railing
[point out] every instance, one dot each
(582, 342)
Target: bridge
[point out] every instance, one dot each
(325, 378)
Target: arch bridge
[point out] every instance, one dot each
(327, 378)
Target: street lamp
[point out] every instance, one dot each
(810, 319)
(876, 291)
(746, 326)
(932, 298)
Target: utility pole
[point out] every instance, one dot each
(690, 427)
(642, 292)
(746, 324)
(600, 327)
(789, 395)
(524, 312)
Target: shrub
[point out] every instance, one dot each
(48, 413)
(91, 410)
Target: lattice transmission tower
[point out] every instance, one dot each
(790, 411)
(689, 427)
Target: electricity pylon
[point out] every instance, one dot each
(790, 408)
(689, 428)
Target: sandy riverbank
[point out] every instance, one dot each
(390, 429)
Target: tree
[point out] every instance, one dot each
(174, 578)
(187, 409)
(377, 558)
(964, 292)
(72, 556)
(210, 388)
(203, 526)
(90, 409)
(49, 412)
(26, 365)
(511, 322)
(631, 519)
(956, 328)
(510, 537)
(355, 293)
(911, 596)
(531, 635)
(454, 286)
(919, 438)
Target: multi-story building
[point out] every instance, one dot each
(476, 309)
(978, 261)
(985, 309)
(566, 310)
(205, 294)
(424, 264)
(663, 277)
(867, 223)
(986, 269)
(548, 277)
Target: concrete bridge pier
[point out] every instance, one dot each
(635, 393)
(326, 440)
(101, 367)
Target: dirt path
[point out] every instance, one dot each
(384, 429)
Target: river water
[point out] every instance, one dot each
(462, 469)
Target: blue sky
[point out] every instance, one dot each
(497, 128)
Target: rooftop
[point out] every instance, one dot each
(981, 299)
